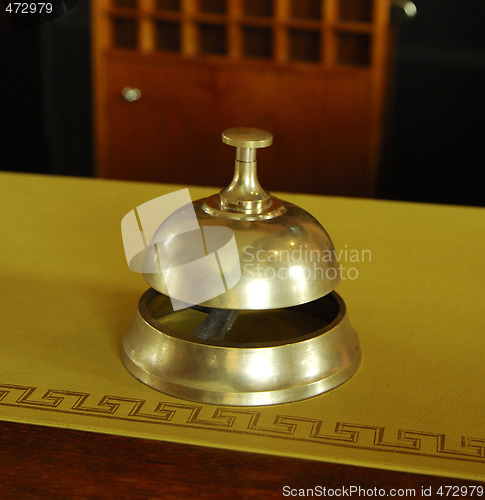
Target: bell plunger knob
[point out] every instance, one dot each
(245, 195)
(247, 140)
(244, 199)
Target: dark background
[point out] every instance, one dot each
(45, 84)
(435, 149)
(435, 138)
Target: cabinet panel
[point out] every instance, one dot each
(172, 133)
(163, 135)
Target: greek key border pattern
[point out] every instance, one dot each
(244, 421)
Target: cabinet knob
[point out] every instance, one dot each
(130, 94)
(402, 10)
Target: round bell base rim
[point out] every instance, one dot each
(253, 375)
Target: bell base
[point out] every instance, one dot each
(239, 371)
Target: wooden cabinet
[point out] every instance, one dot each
(312, 72)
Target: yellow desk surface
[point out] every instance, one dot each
(417, 403)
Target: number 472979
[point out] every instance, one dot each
(29, 8)
(460, 491)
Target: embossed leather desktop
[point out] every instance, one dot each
(414, 290)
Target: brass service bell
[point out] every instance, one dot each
(276, 333)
